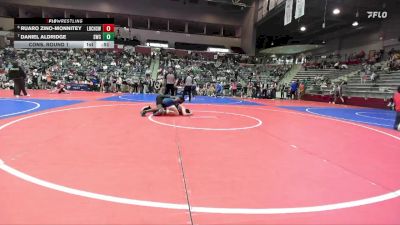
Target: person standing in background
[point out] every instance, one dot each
(146, 84)
(256, 89)
(135, 85)
(151, 85)
(250, 89)
(43, 80)
(396, 100)
(302, 90)
(119, 84)
(273, 90)
(188, 81)
(35, 79)
(194, 88)
(218, 89)
(293, 90)
(114, 84)
(17, 74)
(140, 86)
(170, 82)
(234, 87)
(283, 90)
(48, 79)
(340, 92)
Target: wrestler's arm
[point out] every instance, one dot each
(184, 112)
(172, 111)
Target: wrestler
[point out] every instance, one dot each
(162, 103)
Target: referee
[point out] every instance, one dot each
(188, 86)
(170, 82)
(17, 74)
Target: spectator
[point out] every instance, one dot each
(283, 90)
(396, 100)
(374, 77)
(234, 87)
(302, 90)
(218, 89)
(293, 90)
(250, 89)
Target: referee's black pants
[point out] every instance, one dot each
(169, 89)
(19, 85)
(397, 121)
(187, 90)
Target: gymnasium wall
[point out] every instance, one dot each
(152, 8)
(6, 23)
(382, 35)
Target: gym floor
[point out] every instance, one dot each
(90, 158)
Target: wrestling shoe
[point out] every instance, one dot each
(146, 108)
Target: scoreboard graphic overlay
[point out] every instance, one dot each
(64, 33)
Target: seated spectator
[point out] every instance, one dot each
(337, 65)
(374, 77)
(394, 61)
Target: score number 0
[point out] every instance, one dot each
(108, 27)
(108, 32)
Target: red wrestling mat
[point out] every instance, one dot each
(101, 163)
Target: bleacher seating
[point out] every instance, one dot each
(311, 73)
(384, 87)
(357, 78)
(331, 73)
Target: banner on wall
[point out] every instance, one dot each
(300, 6)
(288, 12)
(77, 87)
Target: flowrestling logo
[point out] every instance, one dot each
(377, 14)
